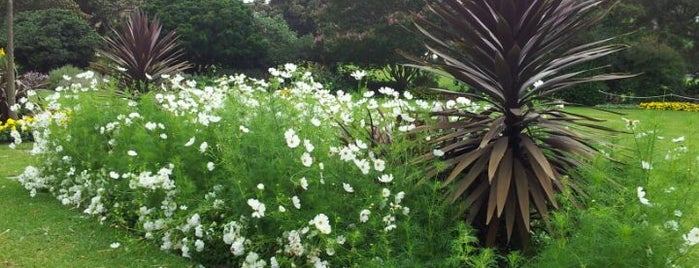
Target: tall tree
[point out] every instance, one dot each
(10, 92)
(368, 32)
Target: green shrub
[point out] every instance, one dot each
(50, 38)
(213, 32)
(186, 169)
(586, 94)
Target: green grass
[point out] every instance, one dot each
(39, 232)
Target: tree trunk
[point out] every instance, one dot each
(10, 91)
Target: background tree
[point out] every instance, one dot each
(367, 32)
(31, 5)
(7, 98)
(51, 38)
(103, 14)
(213, 32)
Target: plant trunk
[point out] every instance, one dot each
(10, 90)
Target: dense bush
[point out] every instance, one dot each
(213, 32)
(47, 39)
(64, 76)
(585, 94)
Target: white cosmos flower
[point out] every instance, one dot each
(322, 223)
(243, 129)
(113, 175)
(151, 126)
(692, 238)
(260, 186)
(210, 166)
(379, 165)
(646, 165)
(292, 140)
(348, 188)
(304, 183)
(385, 192)
(132, 153)
(115, 245)
(309, 146)
(642, 196)
(258, 207)
(346, 154)
(163, 136)
(315, 122)
(190, 142)
(680, 139)
(358, 74)
(306, 159)
(363, 165)
(364, 215)
(296, 201)
(386, 178)
(199, 245)
(282, 209)
(672, 224)
(203, 146)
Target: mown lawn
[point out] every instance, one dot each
(40, 232)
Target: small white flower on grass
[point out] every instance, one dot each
(306, 159)
(364, 215)
(346, 154)
(358, 74)
(292, 140)
(646, 165)
(386, 178)
(348, 188)
(315, 122)
(258, 207)
(210, 166)
(296, 201)
(678, 213)
(260, 186)
(282, 209)
(309, 146)
(672, 224)
(163, 136)
(385, 192)
(322, 223)
(114, 175)
(438, 152)
(151, 126)
(642, 196)
(680, 139)
(304, 183)
(115, 245)
(132, 153)
(199, 245)
(190, 142)
(368, 94)
(692, 238)
(379, 165)
(203, 146)
(363, 165)
(243, 129)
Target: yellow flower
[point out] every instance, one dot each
(2, 52)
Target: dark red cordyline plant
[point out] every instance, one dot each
(138, 55)
(506, 164)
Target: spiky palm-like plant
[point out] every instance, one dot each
(506, 164)
(138, 55)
